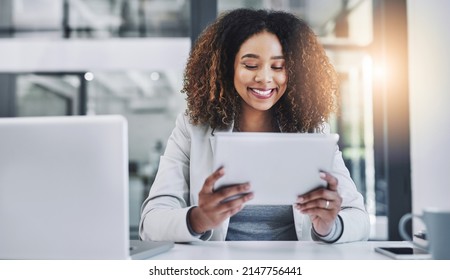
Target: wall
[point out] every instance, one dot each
(429, 81)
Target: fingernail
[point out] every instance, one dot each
(250, 196)
(322, 175)
(300, 199)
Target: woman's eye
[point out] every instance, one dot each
(278, 67)
(250, 66)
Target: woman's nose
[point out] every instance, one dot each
(263, 76)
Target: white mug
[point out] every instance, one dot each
(437, 224)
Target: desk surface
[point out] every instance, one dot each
(276, 250)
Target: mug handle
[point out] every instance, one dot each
(401, 229)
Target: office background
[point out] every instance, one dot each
(77, 57)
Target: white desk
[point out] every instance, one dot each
(275, 250)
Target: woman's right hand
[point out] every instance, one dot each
(212, 210)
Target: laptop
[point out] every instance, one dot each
(278, 166)
(64, 190)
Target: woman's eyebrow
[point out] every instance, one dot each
(251, 55)
(277, 57)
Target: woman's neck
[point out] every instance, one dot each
(256, 121)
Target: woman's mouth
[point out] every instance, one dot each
(262, 93)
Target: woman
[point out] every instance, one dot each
(250, 71)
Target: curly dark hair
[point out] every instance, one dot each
(208, 79)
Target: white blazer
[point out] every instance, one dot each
(188, 161)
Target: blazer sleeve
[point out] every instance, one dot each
(163, 213)
(355, 219)
(353, 214)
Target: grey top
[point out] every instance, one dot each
(262, 222)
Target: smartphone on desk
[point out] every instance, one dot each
(404, 253)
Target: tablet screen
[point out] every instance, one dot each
(278, 166)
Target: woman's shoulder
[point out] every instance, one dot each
(323, 127)
(185, 124)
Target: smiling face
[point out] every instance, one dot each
(259, 72)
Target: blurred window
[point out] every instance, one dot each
(97, 18)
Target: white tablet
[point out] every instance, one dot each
(278, 166)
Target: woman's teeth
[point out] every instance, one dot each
(262, 92)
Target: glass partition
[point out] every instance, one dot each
(97, 18)
(46, 95)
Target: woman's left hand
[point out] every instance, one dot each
(322, 205)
